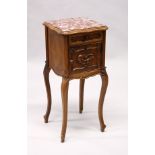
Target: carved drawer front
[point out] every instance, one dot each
(85, 38)
(86, 57)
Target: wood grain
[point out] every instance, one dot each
(64, 94)
(48, 91)
(81, 95)
(104, 78)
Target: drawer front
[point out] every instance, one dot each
(83, 58)
(85, 38)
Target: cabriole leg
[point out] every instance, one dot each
(104, 78)
(48, 91)
(81, 95)
(64, 94)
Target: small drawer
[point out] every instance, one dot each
(85, 38)
(83, 58)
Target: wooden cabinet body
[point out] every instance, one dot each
(76, 56)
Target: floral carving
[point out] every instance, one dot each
(85, 59)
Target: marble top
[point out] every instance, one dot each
(74, 25)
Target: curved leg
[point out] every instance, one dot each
(48, 91)
(104, 77)
(81, 93)
(64, 95)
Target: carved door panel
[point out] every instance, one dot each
(85, 57)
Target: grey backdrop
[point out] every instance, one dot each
(83, 135)
(113, 13)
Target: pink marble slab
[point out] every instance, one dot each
(74, 24)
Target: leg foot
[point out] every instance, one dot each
(45, 119)
(103, 128)
(104, 77)
(81, 94)
(62, 139)
(48, 91)
(64, 94)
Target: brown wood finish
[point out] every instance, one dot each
(58, 53)
(85, 57)
(85, 38)
(104, 78)
(46, 72)
(64, 94)
(48, 90)
(81, 95)
(78, 54)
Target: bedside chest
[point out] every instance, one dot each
(75, 49)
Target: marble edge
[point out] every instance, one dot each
(58, 30)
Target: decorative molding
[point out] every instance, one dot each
(84, 59)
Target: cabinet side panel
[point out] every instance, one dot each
(46, 43)
(103, 50)
(58, 53)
